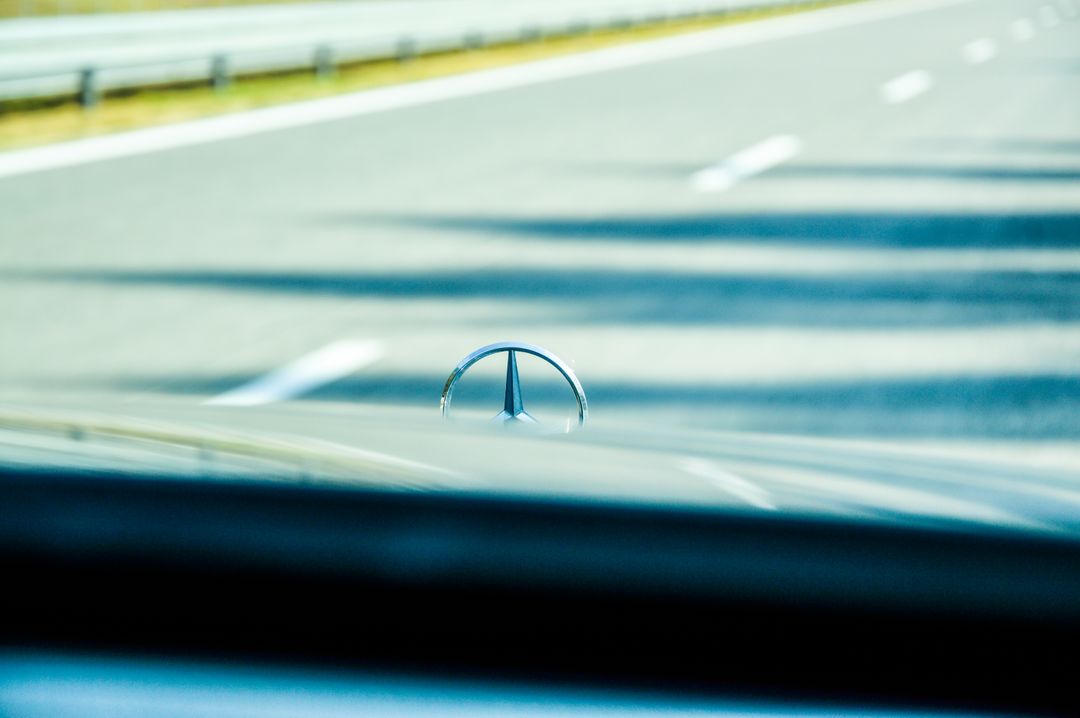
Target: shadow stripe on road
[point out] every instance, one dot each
(864, 300)
(912, 230)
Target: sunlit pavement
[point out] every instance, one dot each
(869, 231)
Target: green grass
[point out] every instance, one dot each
(26, 123)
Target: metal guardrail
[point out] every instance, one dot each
(90, 83)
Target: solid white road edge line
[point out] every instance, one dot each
(729, 483)
(328, 364)
(979, 51)
(746, 163)
(245, 124)
(906, 87)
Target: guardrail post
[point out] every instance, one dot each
(474, 40)
(88, 87)
(219, 72)
(324, 61)
(406, 49)
(578, 27)
(529, 33)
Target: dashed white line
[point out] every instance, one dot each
(729, 483)
(753, 160)
(328, 364)
(906, 87)
(1022, 29)
(979, 51)
(1048, 16)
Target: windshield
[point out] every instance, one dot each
(833, 220)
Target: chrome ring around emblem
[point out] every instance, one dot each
(513, 410)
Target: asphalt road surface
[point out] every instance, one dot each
(867, 227)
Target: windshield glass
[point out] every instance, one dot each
(284, 224)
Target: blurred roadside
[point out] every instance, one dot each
(316, 62)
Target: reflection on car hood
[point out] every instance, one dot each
(410, 449)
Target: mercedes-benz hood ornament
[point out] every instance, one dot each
(513, 408)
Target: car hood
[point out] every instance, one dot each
(408, 449)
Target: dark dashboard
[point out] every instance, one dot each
(684, 603)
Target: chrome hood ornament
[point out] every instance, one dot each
(513, 409)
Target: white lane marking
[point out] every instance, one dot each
(906, 87)
(245, 124)
(328, 364)
(729, 483)
(1048, 16)
(979, 51)
(1022, 30)
(753, 160)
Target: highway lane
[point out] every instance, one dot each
(906, 271)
